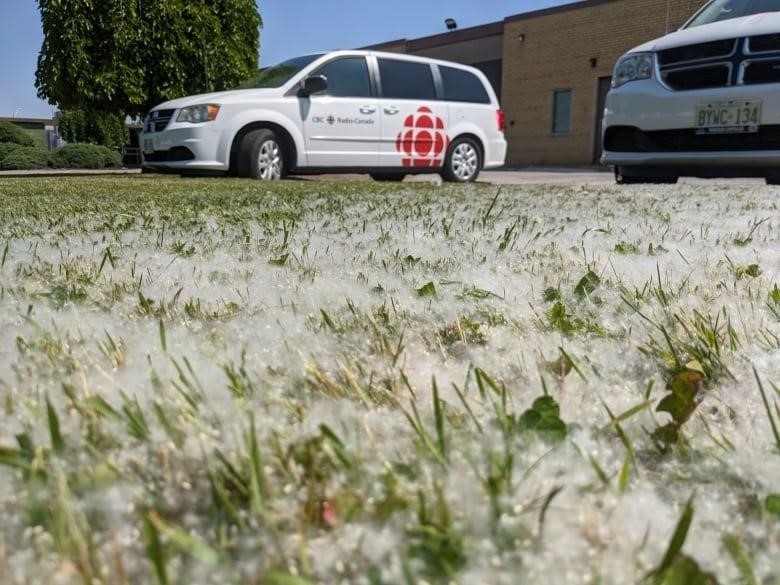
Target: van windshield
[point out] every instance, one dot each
(725, 9)
(278, 75)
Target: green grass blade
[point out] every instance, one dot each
(280, 578)
(155, 550)
(676, 543)
(625, 472)
(465, 403)
(769, 414)
(257, 483)
(57, 442)
(736, 549)
(163, 337)
(185, 542)
(14, 458)
(600, 473)
(634, 410)
(438, 414)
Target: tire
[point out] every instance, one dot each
(773, 180)
(388, 177)
(262, 156)
(621, 178)
(463, 161)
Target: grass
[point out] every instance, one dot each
(308, 382)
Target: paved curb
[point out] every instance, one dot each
(68, 172)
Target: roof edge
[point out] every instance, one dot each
(556, 9)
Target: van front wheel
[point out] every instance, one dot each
(463, 161)
(261, 156)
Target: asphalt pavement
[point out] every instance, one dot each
(504, 176)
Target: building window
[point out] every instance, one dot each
(561, 111)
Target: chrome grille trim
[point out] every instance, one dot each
(699, 63)
(157, 120)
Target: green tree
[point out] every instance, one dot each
(122, 57)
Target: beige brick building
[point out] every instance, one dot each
(552, 69)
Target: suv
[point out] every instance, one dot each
(702, 101)
(359, 111)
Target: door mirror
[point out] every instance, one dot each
(314, 84)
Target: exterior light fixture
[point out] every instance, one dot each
(520, 37)
(451, 24)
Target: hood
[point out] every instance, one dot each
(220, 97)
(745, 26)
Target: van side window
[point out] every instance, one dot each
(462, 86)
(406, 80)
(347, 77)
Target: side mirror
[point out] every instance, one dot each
(314, 84)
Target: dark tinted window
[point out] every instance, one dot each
(462, 86)
(347, 77)
(406, 80)
(727, 9)
(278, 75)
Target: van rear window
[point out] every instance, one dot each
(462, 86)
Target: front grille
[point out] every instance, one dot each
(629, 139)
(764, 71)
(699, 78)
(764, 43)
(740, 61)
(696, 52)
(157, 120)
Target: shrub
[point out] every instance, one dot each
(15, 157)
(12, 133)
(5, 148)
(86, 156)
(87, 126)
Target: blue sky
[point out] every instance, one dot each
(291, 27)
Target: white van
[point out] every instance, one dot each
(385, 114)
(702, 101)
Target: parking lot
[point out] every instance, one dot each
(519, 176)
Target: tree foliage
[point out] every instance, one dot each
(125, 56)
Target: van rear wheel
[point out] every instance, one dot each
(261, 156)
(463, 161)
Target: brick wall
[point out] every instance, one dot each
(557, 53)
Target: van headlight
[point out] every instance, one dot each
(632, 67)
(198, 114)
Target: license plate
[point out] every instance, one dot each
(148, 145)
(731, 117)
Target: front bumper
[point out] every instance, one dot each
(185, 147)
(722, 159)
(646, 124)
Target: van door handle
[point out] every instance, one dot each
(391, 110)
(367, 110)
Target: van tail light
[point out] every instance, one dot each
(501, 120)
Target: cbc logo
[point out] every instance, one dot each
(422, 141)
(322, 120)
